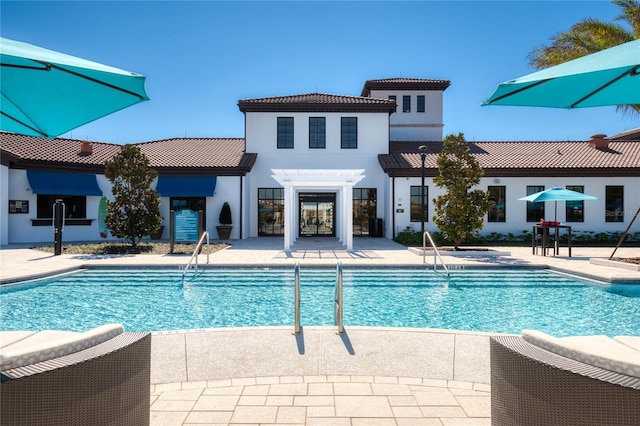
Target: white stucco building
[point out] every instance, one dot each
(316, 165)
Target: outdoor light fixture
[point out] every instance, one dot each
(423, 153)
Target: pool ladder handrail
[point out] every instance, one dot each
(436, 253)
(338, 299)
(195, 254)
(297, 329)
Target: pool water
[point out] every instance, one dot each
(493, 300)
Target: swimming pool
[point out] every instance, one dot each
(484, 299)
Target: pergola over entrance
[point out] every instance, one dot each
(342, 181)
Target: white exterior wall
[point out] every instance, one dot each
(415, 126)
(4, 201)
(261, 137)
(516, 210)
(18, 228)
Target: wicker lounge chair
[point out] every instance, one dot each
(105, 384)
(534, 386)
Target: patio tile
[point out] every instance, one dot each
(254, 414)
(321, 411)
(216, 403)
(170, 405)
(320, 389)
(442, 411)
(352, 389)
(476, 406)
(390, 389)
(180, 395)
(252, 400)
(256, 390)
(291, 415)
(209, 417)
(407, 411)
(288, 389)
(466, 422)
(280, 400)
(303, 400)
(167, 418)
(373, 422)
(362, 406)
(435, 398)
(328, 421)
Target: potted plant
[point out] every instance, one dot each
(224, 229)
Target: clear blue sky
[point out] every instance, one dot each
(201, 57)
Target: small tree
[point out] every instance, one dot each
(459, 212)
(225, 215)
(135, 210)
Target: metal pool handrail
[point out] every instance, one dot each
(338, 299)
(195, 254)
(296, 281)
(436, 253)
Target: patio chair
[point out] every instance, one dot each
(104, 384)
(550, 242)
(531, 385)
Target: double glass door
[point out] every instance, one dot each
(317, 214)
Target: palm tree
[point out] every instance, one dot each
(589, 36)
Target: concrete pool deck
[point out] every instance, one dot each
(368, 376)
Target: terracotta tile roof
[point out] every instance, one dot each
(404, 84)
(317, 102)
(56, 152)
(523, 158)
(220, 156)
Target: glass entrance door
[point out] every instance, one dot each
(317, 214)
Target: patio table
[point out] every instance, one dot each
(544, 231)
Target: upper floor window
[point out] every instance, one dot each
(420, 105)
(406, 103)
(614, 201)
(349, 133)
(574, 210)
(535, 211)
(285, 132)
(392, 97)
(317, 132)
(497, 207)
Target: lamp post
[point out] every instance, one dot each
(423, 154)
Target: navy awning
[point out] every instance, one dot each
(62, 183)
(186, 186)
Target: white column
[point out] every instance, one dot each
(287, 215)
(347, 216)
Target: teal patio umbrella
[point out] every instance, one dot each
(608, 77)
(47, 93)
(557, 194)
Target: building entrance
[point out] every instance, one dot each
(317, 214)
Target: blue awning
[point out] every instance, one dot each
(62, 183)
(186, 186)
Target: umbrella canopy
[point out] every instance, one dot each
(557, 194)
(46, 93)
(608, 77)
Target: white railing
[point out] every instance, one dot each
(436, 253)
(296, 280)
(338, 299)
(194, 256)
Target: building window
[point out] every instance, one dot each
(416, 203)
(614, 198)
(285, 132)
(190, 203)
(270, 211)
(75, 206)
(497, 206)
(392, 97)
(574, 210)
(420, 105)
(406, 103)
(535, 211)
(349, 133)
(364, 208)
(317, 132)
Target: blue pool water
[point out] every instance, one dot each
(495, 300)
